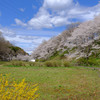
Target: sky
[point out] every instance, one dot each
(27, 23)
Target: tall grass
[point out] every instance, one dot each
(49, 63)
(57, 63)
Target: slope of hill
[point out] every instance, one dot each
(8, 51)
(77, 42)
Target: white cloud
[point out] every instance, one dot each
(59, 21)
(22, 9)
(41, 20)
(54, 13)
(57, 4)
(7, 32)
(28, 42)
(19, 22)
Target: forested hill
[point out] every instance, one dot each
(8, 51)
(78, 41)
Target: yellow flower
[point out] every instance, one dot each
(15, 91)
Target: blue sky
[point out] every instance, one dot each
(26, 23)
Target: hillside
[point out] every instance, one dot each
(8, 51)
(80, 41)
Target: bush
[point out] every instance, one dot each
(31, 63)
(24, 64)
(17, 63)
(39, 64)
(82, 61)
(53, 63)
(49, 64)
(92, 62)
(16, 91)
(87, 62)
(66, 64)
(40, 60)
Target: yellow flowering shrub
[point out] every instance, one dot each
(16, 91)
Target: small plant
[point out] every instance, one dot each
(16, 91)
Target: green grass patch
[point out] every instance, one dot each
(59, 83)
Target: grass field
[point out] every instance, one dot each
(59, 83)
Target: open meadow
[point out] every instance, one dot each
(49, 49)
(58, 83)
